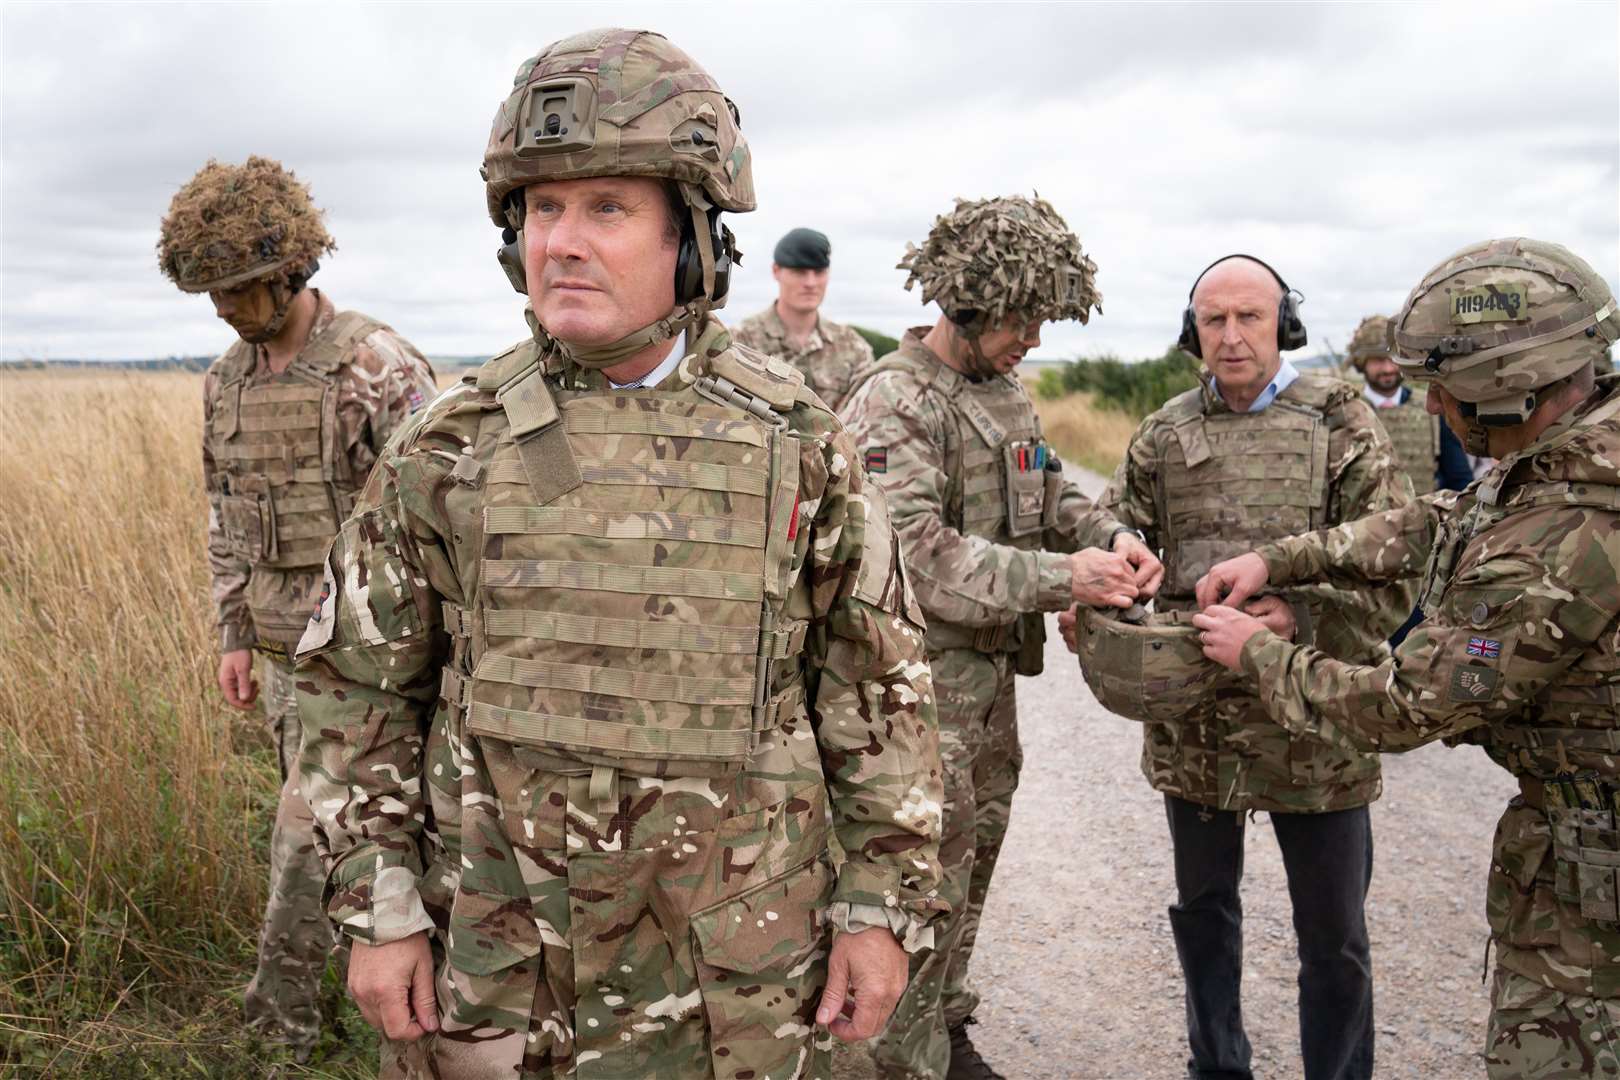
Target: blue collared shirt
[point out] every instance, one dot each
(1286, 374)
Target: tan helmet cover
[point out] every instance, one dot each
(1147, 666)
(1370, 339)
(1503, 318)
(231, 224)
(1004, 257)
(617, 102)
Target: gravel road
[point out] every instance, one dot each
(1075, 962)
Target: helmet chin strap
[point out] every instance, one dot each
(283, 294)
(978, 364)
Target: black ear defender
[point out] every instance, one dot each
(510, 253)
(1290, 328)
(689, 260)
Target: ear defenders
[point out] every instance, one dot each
(688, 257)
(1290, 330)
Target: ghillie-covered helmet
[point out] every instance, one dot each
(232, 224)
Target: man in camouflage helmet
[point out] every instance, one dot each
(827, 353)
(1426, 449)
(617, 640)
(294, 415)
(1520, 650)
(994, 537)
(1259, 451)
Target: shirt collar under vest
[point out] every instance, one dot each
(1286, 374)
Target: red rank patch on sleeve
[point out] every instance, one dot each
(877, 459)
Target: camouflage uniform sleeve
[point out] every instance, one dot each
(873, 702)
(1372, 550)
(228, 572)
(1509, 624)
(1129, 497)
(387, 381)
(966, 580)
(368, 679)
(1363, 479)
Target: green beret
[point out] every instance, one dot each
(803, 249)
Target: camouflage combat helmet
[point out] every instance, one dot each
(1500, 320)
(1147, 666)
(1370, 339)
(617, 102)
(993, 258)
(232, 224)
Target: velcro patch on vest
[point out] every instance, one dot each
(1473, 683)
(877, 459)
(1490, 303)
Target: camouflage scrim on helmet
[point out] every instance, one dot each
(1502, 318)
(617, 102)
(231, 224)
(1370, 339)
(1001, 257)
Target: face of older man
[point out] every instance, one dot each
(599, 256)
(1235, 308)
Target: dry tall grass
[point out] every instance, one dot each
(132, 838)
(1085, 434)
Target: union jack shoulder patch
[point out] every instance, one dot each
(1488, 648)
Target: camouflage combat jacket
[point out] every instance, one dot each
(828, 360)
(283, 458)
(1519, 651)
(1414, 433)
(978, 497)
(1204, 484)
(594, 673)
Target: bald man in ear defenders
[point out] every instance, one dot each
(1257, 452)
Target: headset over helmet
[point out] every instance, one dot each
(991, 259)
(617, 102)
(1501, 320)
(1370, 339)
(234, 224)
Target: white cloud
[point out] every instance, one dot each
(1350, 145)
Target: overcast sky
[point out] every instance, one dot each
(1353, 146)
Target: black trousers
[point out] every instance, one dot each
(1328, 860)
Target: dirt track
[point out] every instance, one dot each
(1075, 962)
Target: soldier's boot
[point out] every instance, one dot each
(966, 1064)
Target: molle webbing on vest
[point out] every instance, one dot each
(1231, 481)
(1415, 436)
(635, 618)
(531, 413)
(287, 479)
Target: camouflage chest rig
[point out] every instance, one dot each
(633, 608)
(1002, 484)
(1415, 435)
(1563, 745)
(283, 468)
(1232, 481)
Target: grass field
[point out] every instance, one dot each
(134, 807)
(1085, 434)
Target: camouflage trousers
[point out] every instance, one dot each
(978, 746)
(1538, 1033)
(283, 1000)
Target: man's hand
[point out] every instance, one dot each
(866, 974)
(1276, 613)
(236, 680)
(1232, 582)
(1149, 570)
(1225, 630)
(1102, 579)
(393, 986)
(1068, 626)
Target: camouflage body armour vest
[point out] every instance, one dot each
(999, 489)
(1563, 746)
(1229, 482)
(1415, 436)
(627, 683)
(286, 478)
